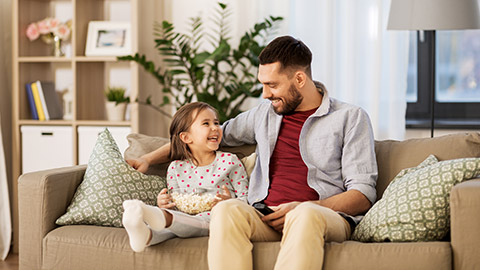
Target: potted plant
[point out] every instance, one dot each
(224, 77)
(116, 104)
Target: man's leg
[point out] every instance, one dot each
(306, 229)
(233, 227)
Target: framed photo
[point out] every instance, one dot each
(108, 38)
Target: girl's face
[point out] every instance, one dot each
(204, 134)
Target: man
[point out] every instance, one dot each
(315, 167)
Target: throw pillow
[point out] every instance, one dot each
(416, 205)
(109, 181)
(249, 163)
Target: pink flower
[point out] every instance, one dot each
(43, 27)
(52, 23)
(47, 29)
(32, 32)
(62, 31)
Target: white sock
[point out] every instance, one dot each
(154, 217)
(137, 230)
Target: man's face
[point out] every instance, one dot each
(279, 88)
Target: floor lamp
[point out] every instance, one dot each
(432, 15)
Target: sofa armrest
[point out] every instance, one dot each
(465, 224)
(42, 198)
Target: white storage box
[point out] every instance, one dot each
(46, 147)
(87, 136)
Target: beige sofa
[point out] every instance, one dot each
(45, 195)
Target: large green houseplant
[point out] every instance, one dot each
(223, 77)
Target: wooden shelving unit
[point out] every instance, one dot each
(86, 77)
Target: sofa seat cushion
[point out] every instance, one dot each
(373, 256)
(95, 247)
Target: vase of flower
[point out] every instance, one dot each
(51, 31)
(57, 46)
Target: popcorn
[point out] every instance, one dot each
(193, 203)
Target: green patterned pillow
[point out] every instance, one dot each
(416, 204)
(109, 181)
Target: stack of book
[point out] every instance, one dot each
(44, 101)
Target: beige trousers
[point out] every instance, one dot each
(235, 225)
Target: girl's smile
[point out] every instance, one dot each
(204, 136)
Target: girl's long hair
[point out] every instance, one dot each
(182, 121)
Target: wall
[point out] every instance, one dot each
(6, 84)
(149, 12)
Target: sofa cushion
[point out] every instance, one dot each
(415, 206)
(108, 181)
(381, 256)
(393, 156)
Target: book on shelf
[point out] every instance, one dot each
(42, 99)
(53, 106)
(38, 102)
(31, 101)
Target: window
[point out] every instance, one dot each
(457, 79)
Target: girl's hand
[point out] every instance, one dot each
(164, 200)
(224, 195)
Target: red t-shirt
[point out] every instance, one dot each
(288, 172)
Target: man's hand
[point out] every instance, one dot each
(139, 164)
(225, 195)
(164, 200)
(277, 218)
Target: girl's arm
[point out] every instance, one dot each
(164, 199)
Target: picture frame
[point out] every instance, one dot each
(108, 38)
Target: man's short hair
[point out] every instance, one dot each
(292, 54)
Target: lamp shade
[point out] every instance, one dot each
(433, 15)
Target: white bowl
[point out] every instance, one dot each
(193, 201)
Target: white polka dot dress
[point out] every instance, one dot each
(226, 170)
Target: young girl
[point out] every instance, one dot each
(195, 136)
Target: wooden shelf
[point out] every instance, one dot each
(96, 59)
(45, 123)
(46, 59)
(103, 123)
(83, 78)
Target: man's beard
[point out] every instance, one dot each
(291, 103)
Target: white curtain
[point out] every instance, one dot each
(358, 60)
(5, 221)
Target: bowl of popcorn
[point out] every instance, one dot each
(193, 201)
